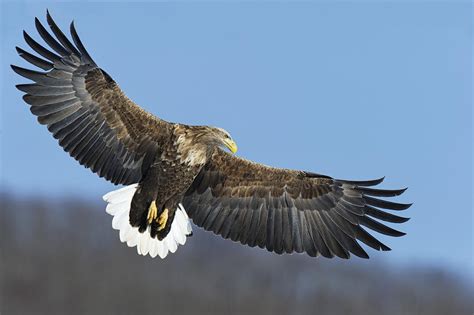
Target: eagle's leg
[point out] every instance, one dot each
(162, 226)
(153, 216)
(152, 212)
(163, 219)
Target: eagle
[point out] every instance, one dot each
(174, 173)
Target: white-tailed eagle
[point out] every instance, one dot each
(174, 170)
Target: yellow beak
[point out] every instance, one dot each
(231, 145)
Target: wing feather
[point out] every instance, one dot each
(36, 61)
(290, 211)
(85, 109)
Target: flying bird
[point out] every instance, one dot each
(174, 173)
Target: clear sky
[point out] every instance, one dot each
(355, 91)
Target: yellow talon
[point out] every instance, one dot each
(152, 212)
(163, 219)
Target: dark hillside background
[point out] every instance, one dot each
(62, 257)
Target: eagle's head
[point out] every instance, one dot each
(196, 143)
(214, 136)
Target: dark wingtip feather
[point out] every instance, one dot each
(380, 192)
(375, 181)
(372, 182)
(25, 98)
(379, 227)
(53, 43)
(385, 216)
(403, 219)
(41, 63)
(385, 248)
(60, 35)
(384, 204)
(358, 251)
(402, 190)
(80, 46)
(407, 205)
(48, 16)
(39, 26)
(40, 49)
(29, 74)
(15, 68)
(20, 87)
(72, 28)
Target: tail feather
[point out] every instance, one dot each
(120, 195)
(119, 202)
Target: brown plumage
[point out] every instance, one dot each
(277, 209)
(289, 211)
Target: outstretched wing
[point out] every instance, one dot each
(289, 211)
(86, 110)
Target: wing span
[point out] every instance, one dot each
(86, 110)
(289, 211)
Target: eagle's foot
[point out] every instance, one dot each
(152, 212)
(163, 219)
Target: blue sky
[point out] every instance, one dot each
(350, 90)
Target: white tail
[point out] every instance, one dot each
(119, 202)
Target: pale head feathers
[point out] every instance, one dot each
(196, 143)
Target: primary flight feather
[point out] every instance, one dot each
(173, 171)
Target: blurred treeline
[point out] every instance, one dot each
(62, 257)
